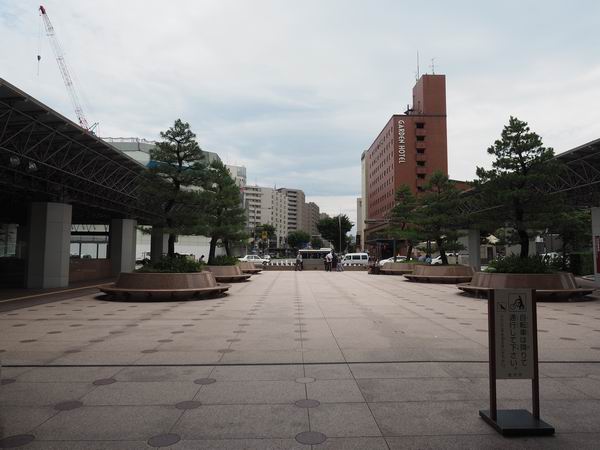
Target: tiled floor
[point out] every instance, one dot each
(387, 363)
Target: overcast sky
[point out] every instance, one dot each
(295, 91)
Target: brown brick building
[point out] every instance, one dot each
(408, 150)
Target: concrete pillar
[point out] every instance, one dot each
(48, 247)
(474, 246)
(596, 241)
(159, 243)
(122, 245)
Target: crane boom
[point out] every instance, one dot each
(64, 71)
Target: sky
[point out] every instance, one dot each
(296, 91)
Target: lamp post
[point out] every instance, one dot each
(340, 231)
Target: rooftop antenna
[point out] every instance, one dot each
(418, 72)
(432, 66)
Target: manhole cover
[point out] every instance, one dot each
(18, 440)
(191, 404)
(311, 437)
(104, 381)
(204, 381)
(68, 405)
(164, 440)
(307, 403)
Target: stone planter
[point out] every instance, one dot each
(155, 286)
(249, 267)
(440, 274)
(228, 274)
(553, 286)
(397, 268)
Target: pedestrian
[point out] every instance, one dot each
(299, 262)
(328, 259)
(340, 266)
(201, 260)
(334, 260)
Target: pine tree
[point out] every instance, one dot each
(173, 181)
(515, 187)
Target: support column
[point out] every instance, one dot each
(474, 246)
(122, 245)
(159, 243)
(48, 246)
(596, 241)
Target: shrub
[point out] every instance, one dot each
(515, 264)
(178, 264)
(225, 260)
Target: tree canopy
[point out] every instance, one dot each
(436, 216)
(225, 218)
(172, 182)
(335, 230)
(514, 187)
(298, 239)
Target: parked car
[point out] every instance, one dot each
(391, 260)
(356, 258)
(255, 259)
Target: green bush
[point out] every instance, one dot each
(225, 260)
(580, 263)
(178, 264)
(515, 264)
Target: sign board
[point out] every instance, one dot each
(514, 334)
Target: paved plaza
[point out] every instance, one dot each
(285, 361)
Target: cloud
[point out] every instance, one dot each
(297, 90)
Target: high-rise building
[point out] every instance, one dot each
(267, 206)
(310, 218)
(410, 148)
(295, 202)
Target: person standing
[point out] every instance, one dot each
(299, 262)
(328, 259)
(334, 260)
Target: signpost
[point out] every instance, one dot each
(513, 354)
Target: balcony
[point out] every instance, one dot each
(421, 170)
(420, 132)
(421, 145)
(421, 157)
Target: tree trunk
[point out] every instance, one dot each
(521, 231)
(227, 249)
(409, 252)
(171, 248)
(211, 252)
(440, 246)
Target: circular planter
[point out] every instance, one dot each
(397, 268)
(249, 267)
(440, 274)
(228, 274)
(548, 286)
(149, 286)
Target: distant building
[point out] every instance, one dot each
(238, 173)
(267, 206)
(359, 224)
(410, 148)
(310, 218)
(295, 202)
(139, 149)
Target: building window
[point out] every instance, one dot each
(421, 151)
(421, 163)
(420, 138)
(421, 176)
(420, 124)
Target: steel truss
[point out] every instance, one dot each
(64, 162)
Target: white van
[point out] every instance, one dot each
(361, 259)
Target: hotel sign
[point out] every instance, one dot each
(401, 142)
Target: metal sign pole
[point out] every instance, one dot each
(513, 353)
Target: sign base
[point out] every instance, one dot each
(517, 422)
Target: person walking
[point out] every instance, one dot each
(299, 262)
(334, 260)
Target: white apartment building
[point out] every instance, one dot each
(296, 204)
(267, 206)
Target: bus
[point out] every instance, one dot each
(313, 259)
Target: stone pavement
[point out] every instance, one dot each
(287, 360)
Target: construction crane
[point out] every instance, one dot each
(64, 71)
